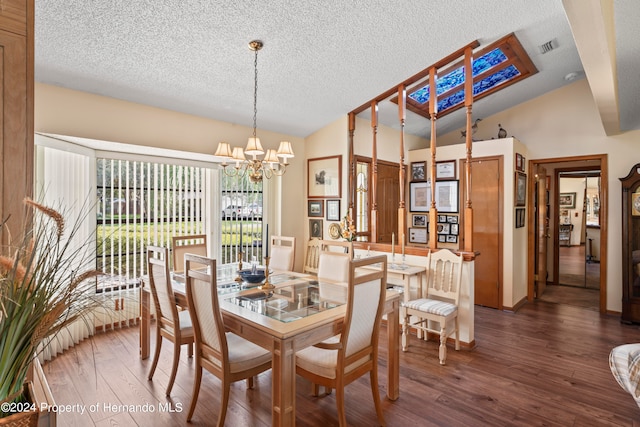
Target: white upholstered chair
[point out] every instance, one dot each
(226, 355)
(312, 256)
(436, 310)
(171, 324)
(624, 362)
(333, 263)
(282, 253)
(344, 358)
(192, 244)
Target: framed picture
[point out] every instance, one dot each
(442, 238)
(520, 213)
(446, 170)
(442, 218)
(454, 229)
(444, 228)
(521, 189)
(567, 200)
(315, 208)
(419, 221)
(418, 171)
(452, 239)
(315, 228)
(452, 219)
(519, 162)
(419, 196)
(417, 235)
(333, 210)
(324, 178)
(447, 196)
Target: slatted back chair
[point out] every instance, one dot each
(344, 358)
(171, 324)
(312, 256)
(438, 303)
(228, 356)
(282, 253)
(181, 245)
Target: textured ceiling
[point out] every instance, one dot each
(320, 60)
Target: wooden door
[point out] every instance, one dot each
(388, 200)
(487, 205)
(542, 232)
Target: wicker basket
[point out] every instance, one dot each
(22, 419)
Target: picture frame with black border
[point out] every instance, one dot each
(315, 228)
(442, 218)
(446, 170)
(315, 208)
(519, 162)
(452, 219)
(454, 229)
(520, 189)
(452, 238)
(333, 210)
(419, 196)
(418, 235)
(520, 217)
(444, 228)
(442, 238)
(418, 171)
(447, 196)
(419, 221)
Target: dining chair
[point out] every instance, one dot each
(226, 355)
(312, 256)
(282, 253)
(181, 245)
(342, 359)
(333, 263)
(438, 303)
(171, 324)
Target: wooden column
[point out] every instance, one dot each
(374, 172)
(468, 102)
(433, 111)
(352, 166)
(402, 211)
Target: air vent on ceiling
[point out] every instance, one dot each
(547, 47)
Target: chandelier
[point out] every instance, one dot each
(274, 162)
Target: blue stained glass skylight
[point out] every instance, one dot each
(456, 78)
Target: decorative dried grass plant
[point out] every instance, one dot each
(45, 285)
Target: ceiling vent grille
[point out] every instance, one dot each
(547, 47)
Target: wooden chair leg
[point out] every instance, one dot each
(373, 378)
(224, 402)
(342, 416)
(174, 368)
(405, 333)
(195, 392)
(457, 334)
(443, 346)
(156, 354)
(190, 349)
(249, 382)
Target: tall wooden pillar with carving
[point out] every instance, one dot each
(16, 114)
(433, 111)
(374, 173)
(468, 103)
(402, 210)
(352, 166)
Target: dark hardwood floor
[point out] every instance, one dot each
(545, 365)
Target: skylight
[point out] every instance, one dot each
(495, 67)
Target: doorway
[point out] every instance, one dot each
(577, 241)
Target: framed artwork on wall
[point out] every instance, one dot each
(446, 170)
(418, 171)
(324, 177)
(417, 235)
(419, 196)
(567, 200)
(521, 189)
(519, 162)
(315, 228)
(447, 196)
(333, 210)
(419, 221)
(520, 214)
(315, 208)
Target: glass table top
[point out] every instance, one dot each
(299, 298)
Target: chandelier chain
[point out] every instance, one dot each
(255, 92)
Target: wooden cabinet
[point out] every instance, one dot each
(631, 246)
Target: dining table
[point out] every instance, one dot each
(299, 312)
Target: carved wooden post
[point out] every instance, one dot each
(433, 110)
(374, 173)
(468, 102)
(352, 166)
(402, 211)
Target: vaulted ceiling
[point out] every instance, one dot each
(324, 59)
